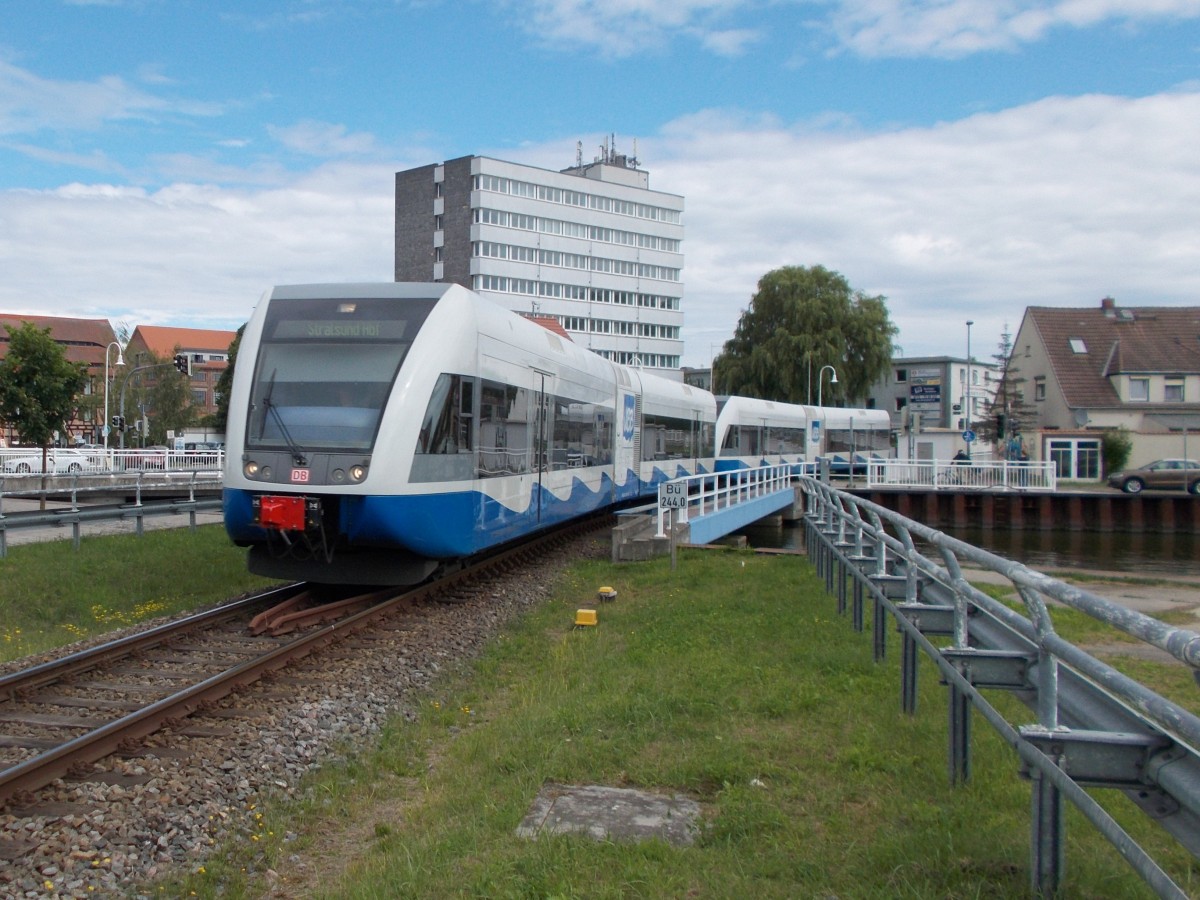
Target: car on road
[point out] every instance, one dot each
(1162, 474)
(147, 459)
(59, 461)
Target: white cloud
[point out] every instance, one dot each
(956, 28)
(621, 28)
(322, 139)
(30, 104)
(1054, 203)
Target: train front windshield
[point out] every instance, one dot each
(325, 369)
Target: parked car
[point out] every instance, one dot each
(1165, 474)
(150, 459)
(59, 461)
(200, 453)
(97, 454)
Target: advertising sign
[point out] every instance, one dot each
(925, 387)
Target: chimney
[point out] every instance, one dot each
(1109, 305)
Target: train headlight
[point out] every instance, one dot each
(358, 473)
(250, 469)
(339, 475)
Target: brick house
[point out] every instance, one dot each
(207, 350)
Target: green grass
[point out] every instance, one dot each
(731, 680)
(52, 594)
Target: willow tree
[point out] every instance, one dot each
(800, 320)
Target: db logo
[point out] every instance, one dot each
(299, 476)
(629, 419)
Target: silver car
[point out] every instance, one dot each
(1165, 474)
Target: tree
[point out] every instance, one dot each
(156, 390)
(38, 387)
(1009, 412)
(800, 320)
(225, 383)
(1116, 445)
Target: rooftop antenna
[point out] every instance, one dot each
(579, 154)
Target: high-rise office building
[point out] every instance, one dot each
(591, 246)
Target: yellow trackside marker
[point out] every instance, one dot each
(607, 593)
(585, 617)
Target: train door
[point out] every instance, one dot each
(627, 443)
(539, 434)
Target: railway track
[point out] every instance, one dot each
(60, 718)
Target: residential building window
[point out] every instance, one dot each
(901, 402)
(1039, 387)
(1139, 390)
(901, 375)
(1078, 346)
(1076, 459)
(1173, 390)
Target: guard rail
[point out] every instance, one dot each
(1095, 726)
(77, 486)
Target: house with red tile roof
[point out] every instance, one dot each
(207, 352)
(86, 341)
(1092, 369)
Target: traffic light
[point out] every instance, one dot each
(1001, 424)
(118, 423)
(183, 363)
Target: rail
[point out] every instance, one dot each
(992, 475)
(76, 515)
(1095, 727)
(698, 495)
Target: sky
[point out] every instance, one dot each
(165, 162)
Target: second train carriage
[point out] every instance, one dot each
(378, 429)
(753, 432)
(850, 438)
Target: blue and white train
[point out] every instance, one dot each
(753, 432)
(377, 431)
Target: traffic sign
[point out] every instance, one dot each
(968, 435)
(672, 495)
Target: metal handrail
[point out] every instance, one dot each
(75, 514)
(1095, 727)
(714, 491)
(948, 474)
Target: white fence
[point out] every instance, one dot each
(988, 475)
(96, 461)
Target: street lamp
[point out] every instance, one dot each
(821, 381)
(967, 399)
(120, 362)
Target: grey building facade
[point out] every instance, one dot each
(592, 246)
(934, 391)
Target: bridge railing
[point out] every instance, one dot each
(1094, 728)
(698, 495)
(963, 474)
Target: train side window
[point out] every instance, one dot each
(446, 438)
(504, 439)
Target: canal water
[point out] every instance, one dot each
(1142, 554)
